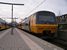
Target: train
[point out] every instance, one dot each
(41, 23)
(19, 25)
(4, 26)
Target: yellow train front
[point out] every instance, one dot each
(41, 23)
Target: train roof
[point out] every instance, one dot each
(43, 12)
(2, 21)
(46, 12)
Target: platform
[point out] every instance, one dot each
(21, 40)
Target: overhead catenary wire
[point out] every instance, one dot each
(36, 6)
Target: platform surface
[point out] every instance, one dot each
(21, 40)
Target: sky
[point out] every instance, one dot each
(59, 7)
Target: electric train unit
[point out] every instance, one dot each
(41, 23)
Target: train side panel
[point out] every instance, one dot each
(26, 24)
(33, 23)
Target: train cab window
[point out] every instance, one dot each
(43, 19)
